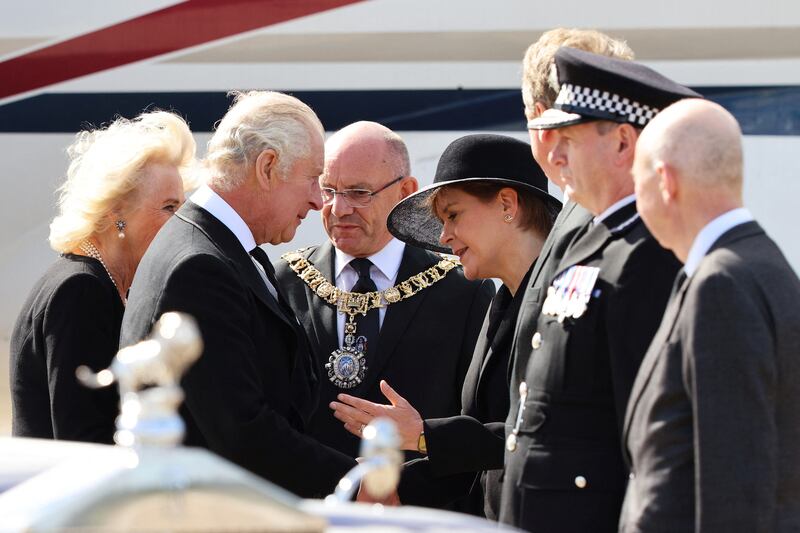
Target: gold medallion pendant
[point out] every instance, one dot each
(347, 365)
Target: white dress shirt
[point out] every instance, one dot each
(222, 211)
(616, 206)
(709, 235)
(383, 272)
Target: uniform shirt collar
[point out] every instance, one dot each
(616, 206)
(710, 233)
(222, 211)
(387, 260)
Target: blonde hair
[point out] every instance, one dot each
(539, 79)
(257, 121)
(108, 165)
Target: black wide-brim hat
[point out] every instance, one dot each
(482, 157)
(598, 87)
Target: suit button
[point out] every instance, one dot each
(580, 482)
(536, 341)
(511, 443)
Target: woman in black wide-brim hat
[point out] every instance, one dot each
(489, 205)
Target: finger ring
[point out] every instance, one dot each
(361, 429)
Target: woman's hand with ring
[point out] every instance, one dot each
(357, 412)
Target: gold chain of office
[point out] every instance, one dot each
(353, 303)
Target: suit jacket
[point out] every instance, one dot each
(71, 318)
(567, 473)
(424, 348)
(712, 428)
(571, 219)
(465, 452)
(251, 394)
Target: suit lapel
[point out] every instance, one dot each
(669, 321)
(549, 242)
(229, 245)
(593, 237)
(400, 315)
(648, 364)
(323, 314)
(469, 390)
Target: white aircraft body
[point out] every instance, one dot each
(432, 70)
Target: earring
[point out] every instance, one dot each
(120, 224)
(508, 218)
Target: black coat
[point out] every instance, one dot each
(251, 394)
(465, 452)
(424, 348)
(71, 318)
(571, 219)
(712, 427)
(567, 473)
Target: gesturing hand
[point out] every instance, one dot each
(357, 413)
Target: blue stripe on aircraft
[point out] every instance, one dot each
(760, 110)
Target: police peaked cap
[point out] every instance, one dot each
(480, 157)
(598, 87)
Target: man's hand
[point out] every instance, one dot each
(357, 413)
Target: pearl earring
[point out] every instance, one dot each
(508, 218)
(120, 224)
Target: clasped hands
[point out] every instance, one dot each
(356, 413)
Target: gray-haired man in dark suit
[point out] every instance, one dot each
(712, 428)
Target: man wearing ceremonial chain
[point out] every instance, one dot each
(374, 308)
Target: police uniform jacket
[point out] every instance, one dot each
(566, 473)
(424, 348)
(713, 429)
(571, 219)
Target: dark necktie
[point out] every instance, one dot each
(366, 325)
(261, 256)
(680, 279)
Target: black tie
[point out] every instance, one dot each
(261, 256)
(680, 279)
(367, 326)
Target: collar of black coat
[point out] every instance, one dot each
(593, 237)
(231, 248)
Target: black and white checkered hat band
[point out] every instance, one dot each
(577, 98)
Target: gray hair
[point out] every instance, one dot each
(258, 121)
(539, 76)
(107, 167)
(398, 151)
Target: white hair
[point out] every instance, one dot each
(257, 121)
(107, 167)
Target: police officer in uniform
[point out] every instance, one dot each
(564, 467)
(539, 94)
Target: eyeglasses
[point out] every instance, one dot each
(354, 197)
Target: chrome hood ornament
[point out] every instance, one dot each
(147, 482)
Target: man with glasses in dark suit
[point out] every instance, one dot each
(419, 321)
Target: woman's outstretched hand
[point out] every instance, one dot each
(357, 413)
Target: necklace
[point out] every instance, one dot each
(347, 365)
(91, 250)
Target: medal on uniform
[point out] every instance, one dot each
(347, 366)
(570, 292)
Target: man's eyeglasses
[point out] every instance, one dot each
(354, 197)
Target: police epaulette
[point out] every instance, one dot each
(625, 225)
